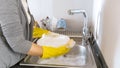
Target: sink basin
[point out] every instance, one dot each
(79, 56)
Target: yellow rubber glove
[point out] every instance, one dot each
(38, 32)
(49, 52)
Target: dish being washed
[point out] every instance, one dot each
(54, 40)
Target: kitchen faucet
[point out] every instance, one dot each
(85, 28)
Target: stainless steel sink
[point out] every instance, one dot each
(79, 56)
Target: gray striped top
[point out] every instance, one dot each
(15, 29)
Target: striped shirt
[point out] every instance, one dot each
(15, 29)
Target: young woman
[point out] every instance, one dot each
(16, 34)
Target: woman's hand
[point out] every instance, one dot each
(49, 52)
(38, 32)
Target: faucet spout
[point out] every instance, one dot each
(85, 27)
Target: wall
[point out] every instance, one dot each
(40, 8)
(110, 44)
(58, 9)
(106, 23)
(97, 19)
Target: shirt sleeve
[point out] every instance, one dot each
(12, 28)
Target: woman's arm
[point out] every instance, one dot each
(35, 50)
(12, 28)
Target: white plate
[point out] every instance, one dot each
(53, 40)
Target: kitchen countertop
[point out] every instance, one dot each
(99, 59)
